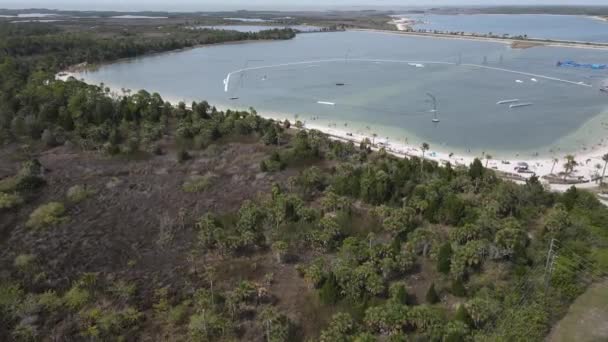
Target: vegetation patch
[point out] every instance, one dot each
(8, 201)
(198, 183)
(47, 215)
(78, 193)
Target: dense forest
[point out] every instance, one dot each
(271, 232)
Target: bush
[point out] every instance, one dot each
(177, 314)
(8, 201)
(444, 258)
(431, 295)
(330, 291)
(123, 290)
(11, 296)
(9, 184)
(49, 301)
(76, 298)
(30, 183)
(48, 138)
(274, 163)
(463, 315)
(183, 156)
(47, 215)
(198, 183)
(458, 288)
(78, 193)
(24, 261)
(398, 293)
(21, 184)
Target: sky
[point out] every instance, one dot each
(217, 5)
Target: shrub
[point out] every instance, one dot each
(443, 259)
(11, 296)
(8, 201)
(78, 193)
(280, 249)
(274, 163)
(431, 295)
(398, 293)
(183, 156)
(123, 290)
(21, 183)
(9, 184)
(30, 183)
(24, 332)
(49, 300)
(24, 261)
(458, 288)
(47, 215)
(48, 138)
(76, 297)
(330, 291)
(177, 314)
(463, 315)
(198, 183)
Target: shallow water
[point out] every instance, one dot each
(384, 94)
(559, 27)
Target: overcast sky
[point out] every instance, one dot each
(214, 5)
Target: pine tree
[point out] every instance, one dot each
(330, 291)
(458, 288)
(463, 315)
(399, 294)
(431, 295)
(444, 258)
(476, 169)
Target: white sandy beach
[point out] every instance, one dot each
(542, 166)
(402, 23)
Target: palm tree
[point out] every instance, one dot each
(425, 147)
(605, 159)
(374, 138)
(555, 161)
(569, 165)
(488, 157)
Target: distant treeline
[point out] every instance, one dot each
(567, 10)
(31, 54)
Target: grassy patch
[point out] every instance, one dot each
(47, 215)
(9, 184)
(198, 183)
(78, 193)
(8, 201)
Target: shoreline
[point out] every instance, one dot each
(598, 17)
(540, 166)
(402, 25)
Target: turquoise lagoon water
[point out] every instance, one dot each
(387, 79)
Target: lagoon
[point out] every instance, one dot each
(387, 79)
(542, 26)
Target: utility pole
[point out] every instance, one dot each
(549, 264)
